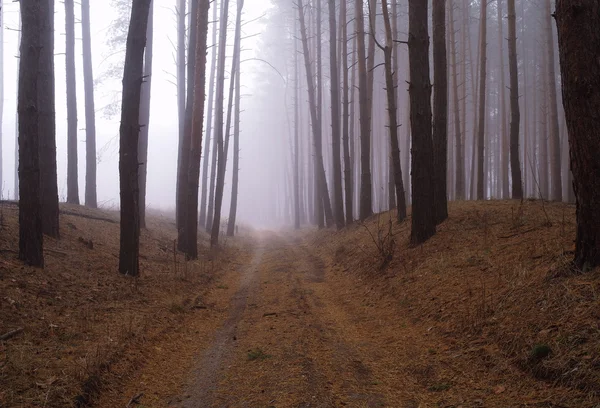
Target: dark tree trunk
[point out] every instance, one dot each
(191, 225)
(393, 114)
(31, 239)
(184, 147)
(1, 89)
(145, 116)
(423, 213)
(236, 160)
(481, 187)
(129, 135)
(16, 166)
(218, 152)
(209, 120)
(47, 124)
(181, 35)
(338, 200)
(580, 68)
(296, 131)
(72, 171)
(503, 131)
(345, 115)
(553, 126)
(366, 200)
(515, 114)
(91, 199)
(440, 110)
(460, 147)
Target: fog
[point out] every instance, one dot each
(267, 119)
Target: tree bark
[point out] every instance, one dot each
(345, 116)
(390, 84)
(181, 35)
(366, 200)
(72, 171)
(129, 135)
(236, 162)
(1, 91)
(145, 116)
(31, 239)
(338, 201)
(191, 225)
(503, 131)
(440, 111)
(482, 113)
(423, 214)
(47, 124)
(91, 198)
(185, 146)
(580, 68)
(296, 130)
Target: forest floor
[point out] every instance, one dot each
(487, 313)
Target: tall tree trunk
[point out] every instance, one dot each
(129, 135)
(236, 163)
(346, 114)
(423, 214)
(145, 116)
(354, 163)
(209, 119)
(191, 225)
(47, 124)
(440, 111)
(372, 30)
(296, 131)
(16, 166)
(460, 147)
(1, 91)
(366, 200)
(580, 68)
(72, 171)
(91, 199)
(389, 55)
(216, 221)
(338, 200)
(181, 34)
(543, 169)
(31, 239)
(503, 131)
(554, 134)
(481, 188)
(185, 146)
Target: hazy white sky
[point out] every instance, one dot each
(163, 122)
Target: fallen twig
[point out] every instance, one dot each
(135, 399)
(10, 334)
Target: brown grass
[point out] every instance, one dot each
(86, 326)
(493, 285)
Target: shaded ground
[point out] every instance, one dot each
(312, 320)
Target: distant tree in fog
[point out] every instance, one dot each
(72, 171)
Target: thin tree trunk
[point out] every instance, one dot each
(553, 134)
(209, 120)
(47, 124)
(440, 111)
(191, 225)
(354, 164)
(129, 135)
(366, 200)
(503, 131)
(181, 34)
(460, 147)
(481, 188)
(16, 166)
(338, 200)
(91, 199)
(145, 116)
(31, 238)
(346, 114)
(185, 146)
(393, 114)
(580, 68)
(220, 92)
(236, 163)
(1, 93)
(423, 214)
(72, 171)
(296, 131)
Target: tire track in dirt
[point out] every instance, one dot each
(206, 375)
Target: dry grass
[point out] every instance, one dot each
(494, 286)
(85, 326)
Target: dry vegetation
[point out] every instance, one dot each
(85, 326)
(494, 286)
